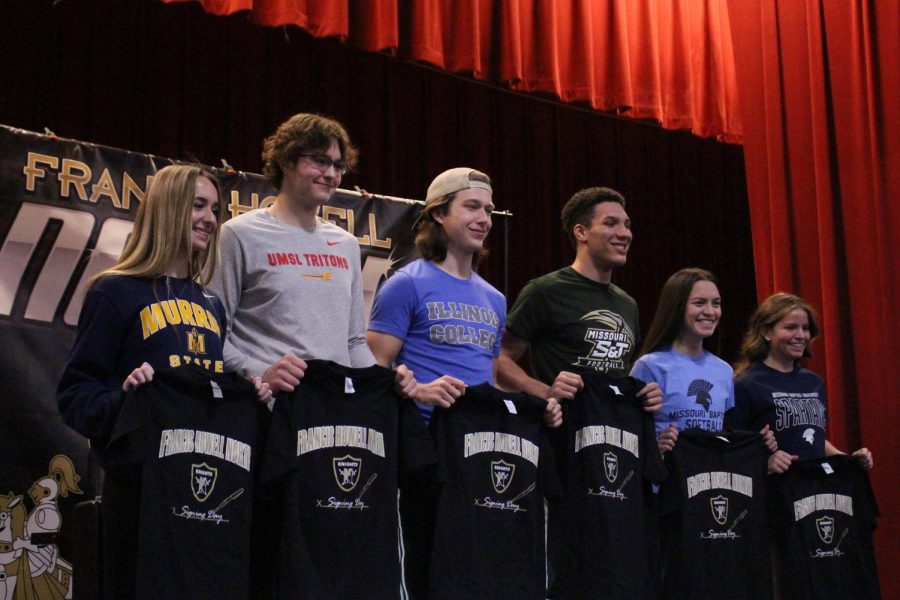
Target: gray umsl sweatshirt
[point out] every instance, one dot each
(287, 289)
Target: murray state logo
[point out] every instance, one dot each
(611, 466)
(719, 507)
(346, 471)
(501, 475)
(825, 528)
(203, 480)
(196, 342)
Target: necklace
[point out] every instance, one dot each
(185, 290)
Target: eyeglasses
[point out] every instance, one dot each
(322, 162)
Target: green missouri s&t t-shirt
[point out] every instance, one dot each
(574, 323)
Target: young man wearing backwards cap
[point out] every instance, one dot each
(440, 318)
(437, 315)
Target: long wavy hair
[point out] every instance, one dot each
(161, 238)
(673, 299)
(431, 239)
(755, 347)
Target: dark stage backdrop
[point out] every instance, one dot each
(65, 215)
(173, 81)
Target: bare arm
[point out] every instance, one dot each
(510, 375)
(862, 456)
(440, 392)
(384, 347)
(513, 377)
(830, 450)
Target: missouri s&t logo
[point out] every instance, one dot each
(610, 339)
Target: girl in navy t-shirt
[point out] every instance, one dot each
(773, 389)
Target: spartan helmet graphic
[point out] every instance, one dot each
(700, 388)
(809, 434)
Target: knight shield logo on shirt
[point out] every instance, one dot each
(719, 507)
(203, 480)
(346, 471)
(825, 528)
(501, 475)
(611, 466)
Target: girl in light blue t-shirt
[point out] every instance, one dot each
(697, 385)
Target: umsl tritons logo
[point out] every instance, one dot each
(203, 480)
(346, 471)
(825, 529)
(719, 507)
(501, 475)
(611, 466)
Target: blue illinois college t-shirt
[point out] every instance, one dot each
(697, 390)
(449, 326)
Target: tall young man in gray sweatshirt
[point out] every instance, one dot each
(290, 280)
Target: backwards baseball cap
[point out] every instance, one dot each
(455, 180)
(450, 182)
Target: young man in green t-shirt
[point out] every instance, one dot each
(575, 318)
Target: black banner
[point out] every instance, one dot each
(66, 210)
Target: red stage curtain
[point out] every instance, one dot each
(668, 61)
(818, 82)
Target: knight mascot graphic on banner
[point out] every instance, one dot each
(30, 565)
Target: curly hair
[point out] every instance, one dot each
(579, 210)
(304, 133)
